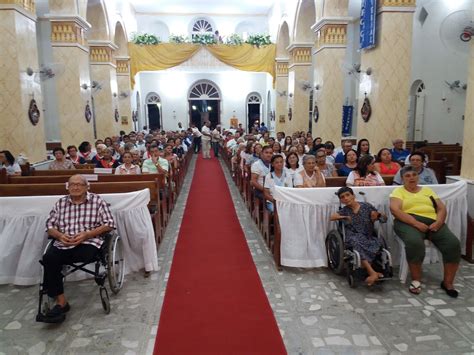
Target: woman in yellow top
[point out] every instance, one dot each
(419, 215)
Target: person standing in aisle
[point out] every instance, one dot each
(206, 140)
(196, 138)
(216, 139)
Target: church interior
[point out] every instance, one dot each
(205, 257)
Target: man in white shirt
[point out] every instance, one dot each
(216, 139)
(196, 138)
(206, 140)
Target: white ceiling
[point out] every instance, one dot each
(211, 7)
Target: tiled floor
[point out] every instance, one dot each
(316, 311)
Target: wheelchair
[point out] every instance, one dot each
(345, 260)
(108, 264)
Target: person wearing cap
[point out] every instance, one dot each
(419, 215)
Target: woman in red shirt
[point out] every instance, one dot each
(385, 165)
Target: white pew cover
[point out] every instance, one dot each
(304, 218)
(23, 237)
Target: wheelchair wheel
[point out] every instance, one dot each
(351, 280)
(115, 264)
(335, 252)
(104, 297)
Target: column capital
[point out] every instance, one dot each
(68, 31)
(300, 54)
(101, 52)
(281, 67)
(331, 35)
(396, 6)
(123, 65)
(24, 7)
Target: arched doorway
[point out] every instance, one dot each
(204, 103)
(153, 104)
(417, 111)
(254, 110)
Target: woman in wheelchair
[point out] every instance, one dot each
(419, 215)
(360, 218)
(76, 222)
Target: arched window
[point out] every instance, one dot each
(254, 99)
(204, 103)
(201, 26)
(204, 90)
(152, 98)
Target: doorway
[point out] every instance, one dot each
(204, 101)
(254, 110)
(204, 110)
(153, 103)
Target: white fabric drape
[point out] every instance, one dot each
(304, 218)
(23, 237)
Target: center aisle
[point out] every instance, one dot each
(214, 301)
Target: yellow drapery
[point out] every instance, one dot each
(166, 55)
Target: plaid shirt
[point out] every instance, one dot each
(71, 219)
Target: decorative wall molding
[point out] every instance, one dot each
(67, 32)
(396, 6)
(282, 68)
(332, 35)
(397, 3)
(28, 5)
(101, 52)
(123, 66)
(300, 54)
(15, 6)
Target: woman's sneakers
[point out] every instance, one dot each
(450, 292)
(57, 314)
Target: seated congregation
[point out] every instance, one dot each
(260, 162)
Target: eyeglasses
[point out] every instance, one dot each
(76, 184)
(320, 156)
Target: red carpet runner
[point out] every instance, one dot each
(214, 301)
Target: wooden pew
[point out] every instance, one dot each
(47, 189)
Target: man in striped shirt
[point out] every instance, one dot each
(76, 222)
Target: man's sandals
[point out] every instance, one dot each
(415, 287)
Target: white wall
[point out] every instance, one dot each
(434, 63)
(182, 24)
(173, 87)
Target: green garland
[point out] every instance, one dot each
(204, 39)
(178, 39)
(234, 40)
(145, 39)
(259, 40)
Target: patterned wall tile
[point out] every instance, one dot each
(105, 102)
(19, 51)
(389, 85)
(71, 98)
(330, 97)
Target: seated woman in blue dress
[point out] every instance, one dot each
(360, 235)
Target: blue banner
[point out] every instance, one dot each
(368, 15)
(347, 113)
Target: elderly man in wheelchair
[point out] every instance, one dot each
(356, 247)
(80, 225)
